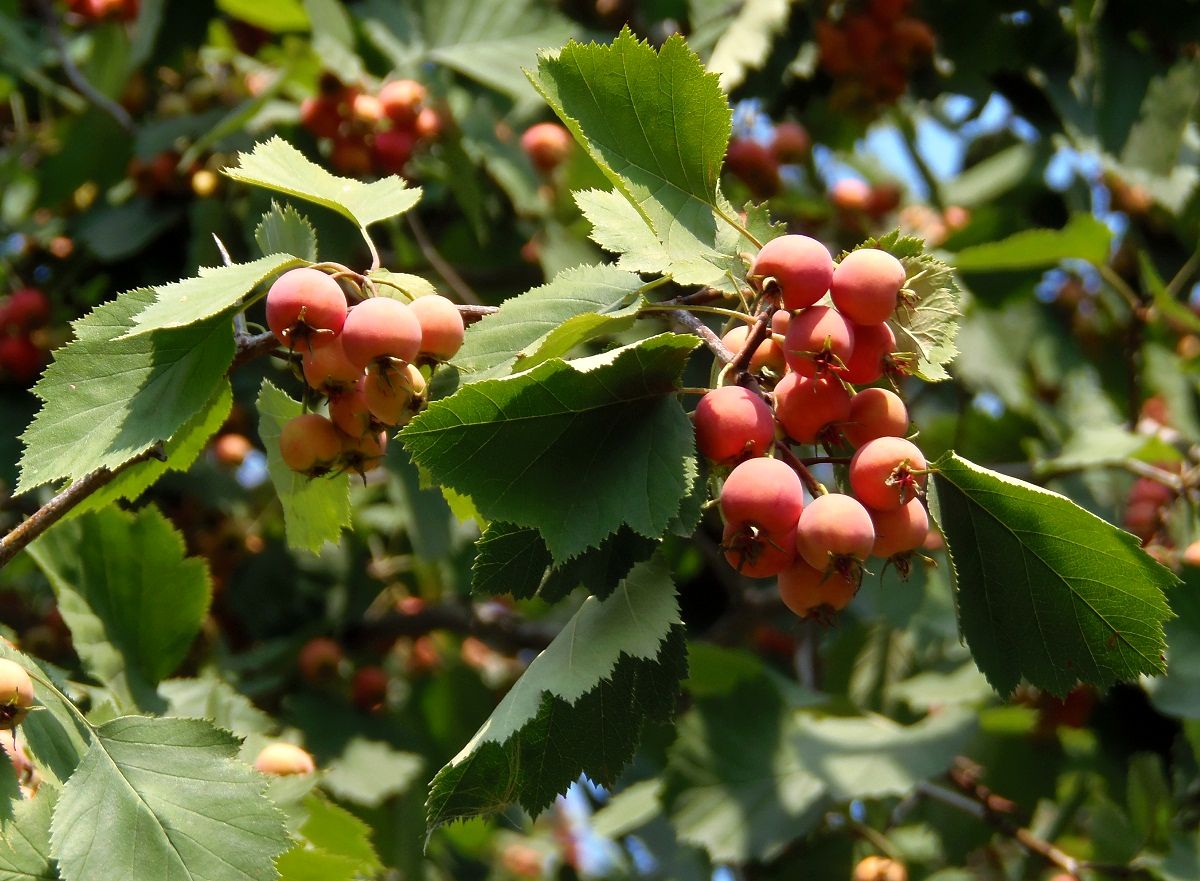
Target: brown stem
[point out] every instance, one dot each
(706, 333)
(758, 333)
(58, 507)
(814, 486)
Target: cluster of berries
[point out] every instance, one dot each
(101, 10)
(371, 133)
(321, 661)
(757, 164)
(870, 54)
(813, 356)
(363, 359)
(22, 314)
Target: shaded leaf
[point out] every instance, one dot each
(25, 855)
(509, 559)
(284, 230)
(599, 570)
(1083, 238)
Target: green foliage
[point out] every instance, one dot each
(1083, 238)
(27, 856)
(1059, 597)
(610, 419)
(337, 845)
(579, 708)
(108, 398)
(108, 570)
(315, 509)
(158, 798)
(284, 230)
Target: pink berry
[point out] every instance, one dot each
(381, 328)
(547, 144)
(819, 340)
(806, 590)
(327, 370)
(305, 309)
(811, 409)
(392, 150)
(872, 344)
(875, 412)
(900, 531)
(800, 265)
(834, 529)
(349, 411)
(393, 396)
(442, 327)
(866, 285)
(764, 493)
(882, 473)
(733, 423)
(768, 354)
(401, 99)
(310, 444)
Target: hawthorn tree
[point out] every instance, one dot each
(466, 413)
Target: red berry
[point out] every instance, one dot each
(428, 124)
(283, 760)
(835, 530)
(25, 309)
(393, 149)
(900, 531)
(310, 444)
(882, 473)
(547, 144)
(380, 328)
(305, 309)
(16, 693)
(230, 449)
(810, 409)
(328, 371)
(781, 320)
(754, 165)
(872, 344)
(875, 412)
(348, 410)
(768, 354)
(806, 590)
(733, 423)
(850, 195)
(366, 109)
(20, 360)
(393, 396)
(351, 157)
(369, 688)
(866, 285)
(319, 659)
(819, 340)
(765, 493)
(757, 553)
(800, 265)
(401, 99)
(790, 143)
(442, 327)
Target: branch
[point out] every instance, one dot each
(758, 333)
(504, 631)
(438, 262)
(58, 507)
(99, 100)
(706, 333)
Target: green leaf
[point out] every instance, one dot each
(657, 125)
(1083, 238)
(277, 165)
(57, 736)
(1178, 692)
(1157, 138)
(214, 290)
(333, 39)
(509, 559)
(180, 452)
(315, 509)
(928, 325)
(536, 325)
(284, 230)
(369, 772)
(270, 15)
(412, 285)
(132, 597)
(741, 40)
(599, 570)
(107, 399)
(337, 846)
(990, 178)
(25, 855)
(629, 809)
(1047, 591)
(579, 707)
(216, 701)
(611, 421)
(163, 798)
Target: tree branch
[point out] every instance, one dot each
(58, 507)
(706, 333)
(504, 631)
(75, 76)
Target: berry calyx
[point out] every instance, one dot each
(900, 531)
(305, 309)
(810, 592)
(442, 328)
(835, 533)
(765, 493)
(801, 267)
(733, 423)
(328, 370)
(874, 413)
(769, 353)
(319, 659)
(811, 410)
(547, 144)
(866, 285)
(16, 693)
(819, 340)
(284, 760)
(380, 328)
(310, 444)
(365, 453)
(872, 345)
(757, 553)
(887, 473)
